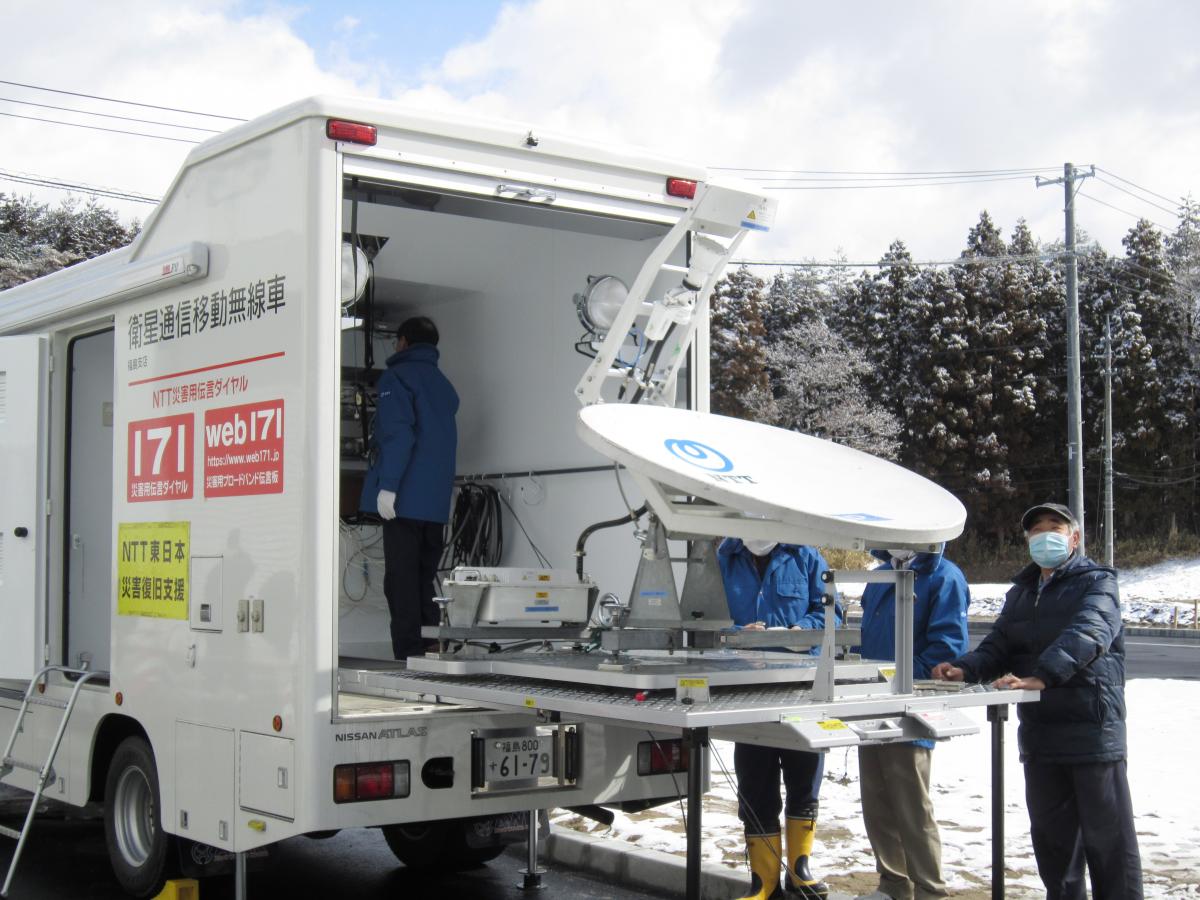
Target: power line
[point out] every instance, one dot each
(1139, 187)
(1009, 171)
(1125, 211)
(23, 178)
(190, 112)
(840, 264)
(86, 112)
(1117, 187)
(865, 187)
(161, 137)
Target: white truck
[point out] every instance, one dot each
(187, 598)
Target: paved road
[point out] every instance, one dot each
(1149, 657)
(67, 858)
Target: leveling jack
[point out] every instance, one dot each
(532, 873)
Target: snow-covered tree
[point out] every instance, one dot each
(738, 382)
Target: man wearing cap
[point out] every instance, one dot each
(1060, 633)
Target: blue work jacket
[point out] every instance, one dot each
(415, 437)
(789, 593)
(940, 602)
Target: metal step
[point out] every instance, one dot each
(10, 832)
(9, 762)
(44, 701)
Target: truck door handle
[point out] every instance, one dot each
(20, 531)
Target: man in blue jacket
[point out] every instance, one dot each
(1060, 633)
(894, 778)
(771, 585)
(411, 478)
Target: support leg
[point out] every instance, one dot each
(239, 876)
(695, 739)
(998, 715)
(532, 880)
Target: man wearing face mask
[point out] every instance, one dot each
(894, 778)
(771, 585)
(1060, 633)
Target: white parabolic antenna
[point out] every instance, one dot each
(767, 482)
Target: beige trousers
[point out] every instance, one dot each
(894, 779)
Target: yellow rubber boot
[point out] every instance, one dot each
(800, 835)
(766, 857)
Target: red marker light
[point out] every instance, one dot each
(353, 132)
(681, 187)
(640, 696)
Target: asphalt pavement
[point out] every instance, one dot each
(67, 858)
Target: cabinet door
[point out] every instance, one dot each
(205, 769)
(267, 775)
(23, 526)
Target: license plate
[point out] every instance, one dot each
(517, 758)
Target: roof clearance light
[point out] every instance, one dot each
(681, 187)
(353, 132)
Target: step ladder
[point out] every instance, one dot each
(45, 771)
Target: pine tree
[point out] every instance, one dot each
(738, 382)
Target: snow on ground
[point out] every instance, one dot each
(1160, 595)
(1164, 722)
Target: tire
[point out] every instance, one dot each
(420, 845)
(437, 845)
(139, 850)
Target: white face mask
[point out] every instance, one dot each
(760, 548)
(901, 557)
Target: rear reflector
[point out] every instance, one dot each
(370, 781)
(354, 132)
(681, 187)
(661, 757)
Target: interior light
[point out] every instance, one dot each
(356, 271)
(681, 187)
(599, 305)
(353, 132)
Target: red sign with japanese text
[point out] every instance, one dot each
(243, 449)
(160, 464)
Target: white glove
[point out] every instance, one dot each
(387, 505)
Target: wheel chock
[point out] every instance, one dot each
(180, 889)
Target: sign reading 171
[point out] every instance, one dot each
(159, 465)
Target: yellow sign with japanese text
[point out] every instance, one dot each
(152, 569)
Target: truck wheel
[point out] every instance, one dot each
(420, 845)
(138, 848)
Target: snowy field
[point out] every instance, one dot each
(1164, 721)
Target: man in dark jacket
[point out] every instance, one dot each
(772, 585)
(411, 478)
(894, 778)
(1060, 633)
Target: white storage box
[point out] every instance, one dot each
(507, 596)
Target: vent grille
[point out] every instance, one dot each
(3, 395)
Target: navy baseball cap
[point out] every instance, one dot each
(1057, 509)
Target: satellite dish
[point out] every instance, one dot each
(768, 482)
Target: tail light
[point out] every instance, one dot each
(681, 187)
(353, 132)
(354, 782)
(661, 757)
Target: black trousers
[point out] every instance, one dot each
(411, 551)
(758, 770)
(1083, 813)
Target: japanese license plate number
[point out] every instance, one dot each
(511, 759)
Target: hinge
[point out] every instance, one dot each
(46, 655)
(49, 506)
(50, 363)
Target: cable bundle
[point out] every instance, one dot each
(476, 530)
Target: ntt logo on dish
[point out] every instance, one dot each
(699, 455)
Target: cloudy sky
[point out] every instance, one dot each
(884, 109)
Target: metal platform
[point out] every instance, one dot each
(646, 672)
(647, 708)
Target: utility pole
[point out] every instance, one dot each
(1108, 460)
(1074, 402)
